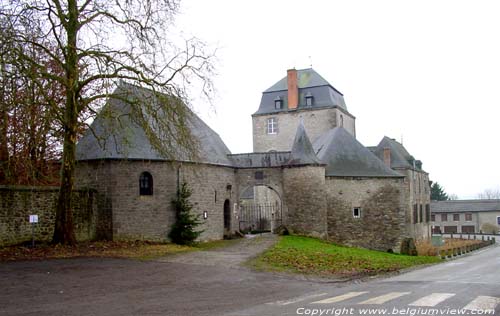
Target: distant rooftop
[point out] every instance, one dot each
(457, 206)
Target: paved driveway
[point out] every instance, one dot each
(203, 283)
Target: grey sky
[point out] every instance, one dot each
(427, 72)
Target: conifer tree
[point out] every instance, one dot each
(183, 230)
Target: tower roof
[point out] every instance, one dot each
(345, 156)
(310, 84)
(302, 149)
(114, 134)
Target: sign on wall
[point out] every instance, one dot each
(33, 218)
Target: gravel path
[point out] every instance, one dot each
(231, 256)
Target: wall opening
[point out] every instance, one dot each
(260, 209)
(227, 217)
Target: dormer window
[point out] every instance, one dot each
(309, 99)
(278, 103)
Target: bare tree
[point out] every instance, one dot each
(96, 43)
(489, 194)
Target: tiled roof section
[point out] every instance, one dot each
(115, 135)
(457, 206)
(345, 156)
(309, 83)
(260, 160)
(302, 149)
(400, 158)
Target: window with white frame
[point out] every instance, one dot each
(272, 125)
(356, 212)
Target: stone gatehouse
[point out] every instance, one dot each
(324, 181)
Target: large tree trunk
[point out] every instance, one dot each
(64, 232)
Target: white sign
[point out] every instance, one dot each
(33, 218)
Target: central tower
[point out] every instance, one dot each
(301, 95)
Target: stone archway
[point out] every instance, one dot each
(260, 209)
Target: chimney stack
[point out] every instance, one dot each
(293, 89)
(387, 156)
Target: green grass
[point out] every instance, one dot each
(313, 256)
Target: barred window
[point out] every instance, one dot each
(146, 183)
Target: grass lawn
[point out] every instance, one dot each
(138, 250)
(314, 256)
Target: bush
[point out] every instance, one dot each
(408, 247)
(183, 230)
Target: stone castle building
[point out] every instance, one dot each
(323, 182)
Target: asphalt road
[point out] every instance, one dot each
(206, 285)
(466, 286)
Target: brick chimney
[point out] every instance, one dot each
(293, 89)
(387, 156)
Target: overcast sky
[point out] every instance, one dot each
(426, 72)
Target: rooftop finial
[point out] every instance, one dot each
(310, 61)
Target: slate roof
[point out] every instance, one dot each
(345, 156)
(120, 137)
(400, 157)
(309, 82)
(457, 206)
(302, 149)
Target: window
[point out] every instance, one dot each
(309, 99)
(341, 120)
(456, 217)
(272, 125)
(356, 212)
(427, 212)
(498, 220)
(415, 214)
(444, 217)
(450, 229)
(278, 103)
(433, 217)
(259, 175)
(146, 183)
(468, 217)
(421, 214)
(468, 229)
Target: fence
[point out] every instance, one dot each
(255, 218)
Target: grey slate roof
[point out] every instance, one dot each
(400, 157)
(457, 206)
(309, 82)
(302, 149)
(260, 160)
(120, 137)
(345, 156)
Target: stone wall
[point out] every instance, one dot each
(316, 122)
(382, 221)
(150, 217)
(17, 203)
(417, 193)
(304, 191)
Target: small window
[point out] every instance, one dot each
(498, 220)
(415, 213)
(444, 217)
(341, 120)
(421, 214)
(433, 217)
(468, 217)
(278, 103)
(146, 184)
(427, 213)
(450, 229)
(259, 175)
(309, 99)
(272, 125)
(456, 217)
(356, 212)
